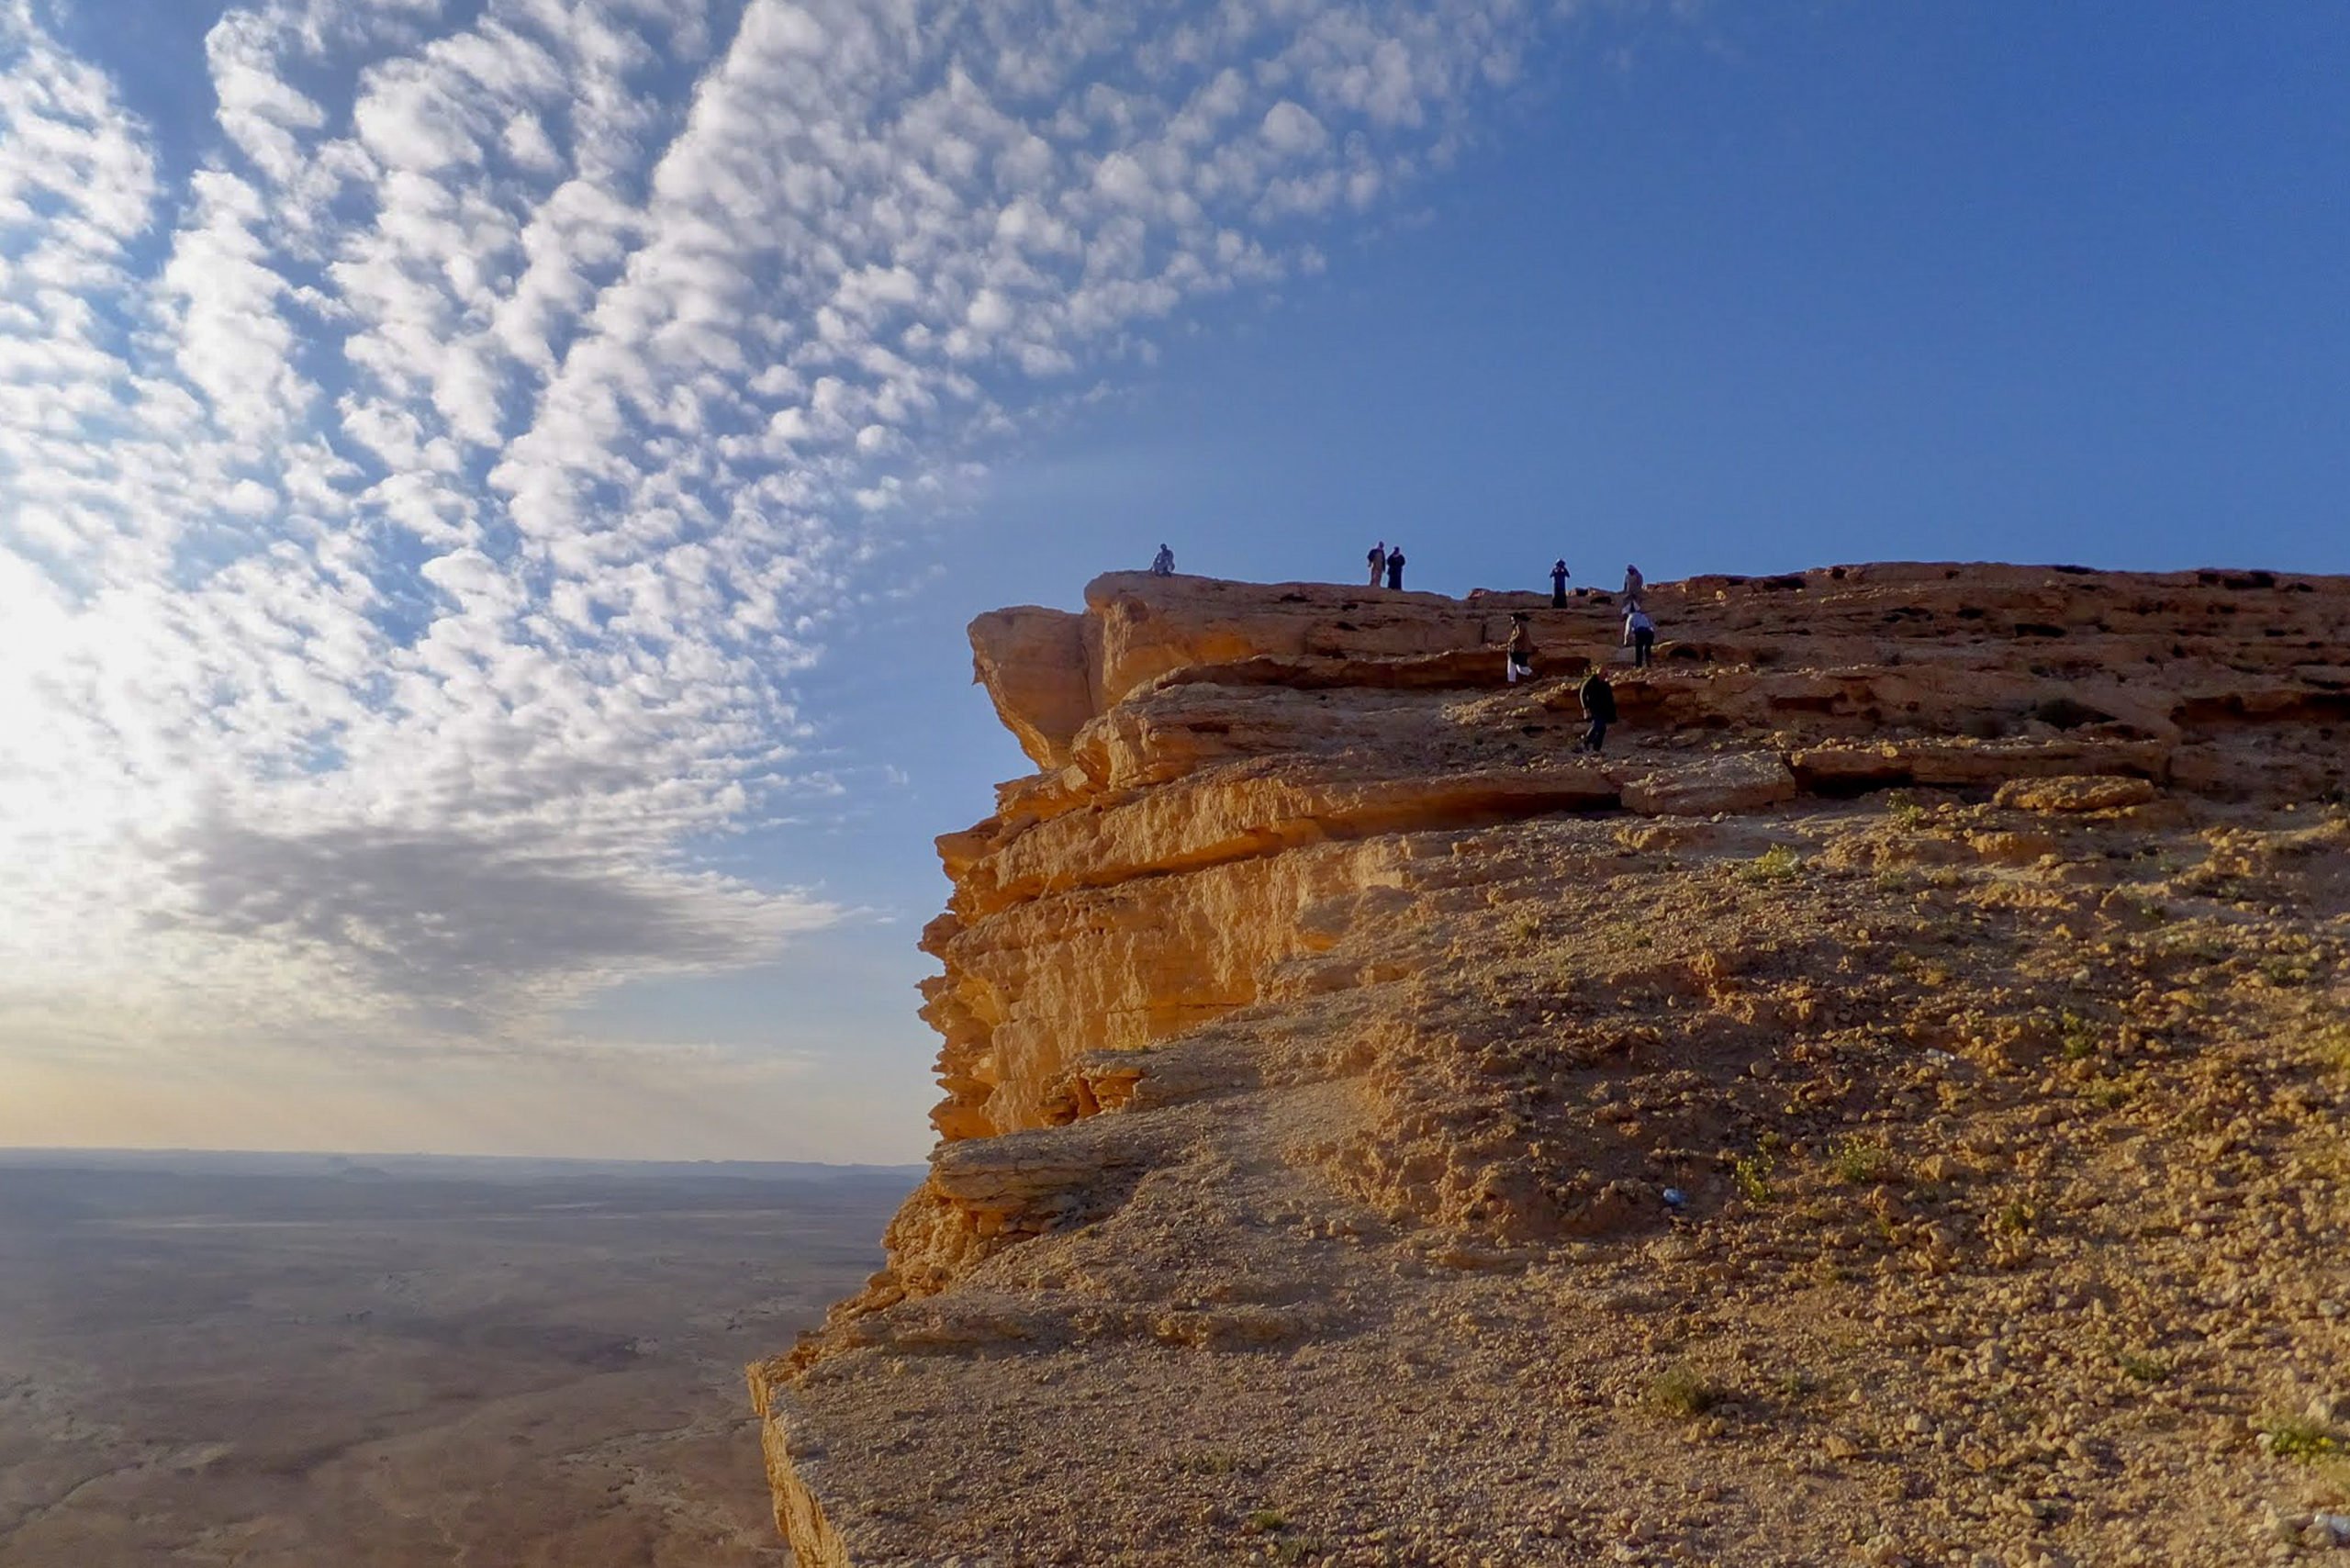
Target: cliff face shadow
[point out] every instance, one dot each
(296, 1363)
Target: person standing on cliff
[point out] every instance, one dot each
(1395, 567)
(1640, 633)
(1163, 563)
(1559, 584)
(1634, 586)
(1599, 699)
(1378, 562)
(1520, 663)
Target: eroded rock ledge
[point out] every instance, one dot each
(1314, 986)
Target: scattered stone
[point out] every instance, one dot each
(2073, 793)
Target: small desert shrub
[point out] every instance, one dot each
(1858, 1161)
(2195, 943)
(2080, 1035)
(1264, 1521)
(1208, 1461)
(2287, 972)
(2016, 1218)
(1795, 1386)
(1750, 1174)
(1925, 971)
(2297, 1436)
(1778, 864)
(1907, 809)
(1678, 1391)
(2140, 1367)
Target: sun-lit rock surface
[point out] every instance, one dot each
(1322, 1034)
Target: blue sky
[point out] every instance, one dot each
(490, 494)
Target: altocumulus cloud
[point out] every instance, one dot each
(415, 509)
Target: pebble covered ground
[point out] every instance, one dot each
(2012, 1227)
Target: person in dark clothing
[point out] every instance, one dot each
(1163, 563)
(1634, 586)
(1641, 631)
(1557, 585)
(1599, 699)
(1395, 567)
(1520, 663)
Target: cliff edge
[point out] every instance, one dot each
(1886, 1108)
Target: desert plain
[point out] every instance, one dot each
(290, 1361)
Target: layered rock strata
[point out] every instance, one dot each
(1371, 1128)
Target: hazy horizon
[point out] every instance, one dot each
(478, 1356)
(21, 1154)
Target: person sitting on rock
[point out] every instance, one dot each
(1559, 584)
(1163, 563)
(1395, 567)
(1599, 699)
(1520, 663)
(1378, 562)
(1640, 633)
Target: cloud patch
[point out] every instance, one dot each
(465, 926)
(412, 519)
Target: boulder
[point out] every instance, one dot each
(2074, 792)
(1742, 781)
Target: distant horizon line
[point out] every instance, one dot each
(16, 1152)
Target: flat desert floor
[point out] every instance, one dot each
(297, 1362)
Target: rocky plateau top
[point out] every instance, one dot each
(1887, 1108)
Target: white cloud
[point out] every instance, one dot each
(1292, 131)
(527, 142)
(249, 497)
(411, 116)
(230, 337)
(266, 115)
(412, 520)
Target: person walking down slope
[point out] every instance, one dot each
(1640, 633)
(1378, 559)
(1599, 699)
(1520, 663)
(1395, 567)
(1634, 586)
(1163, 563)
(1559, 584)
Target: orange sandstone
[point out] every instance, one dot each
(1320, 1036)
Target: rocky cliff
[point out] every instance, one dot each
(1884, 1108)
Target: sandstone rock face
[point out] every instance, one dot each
(1034, 664)
(1317, 1024)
